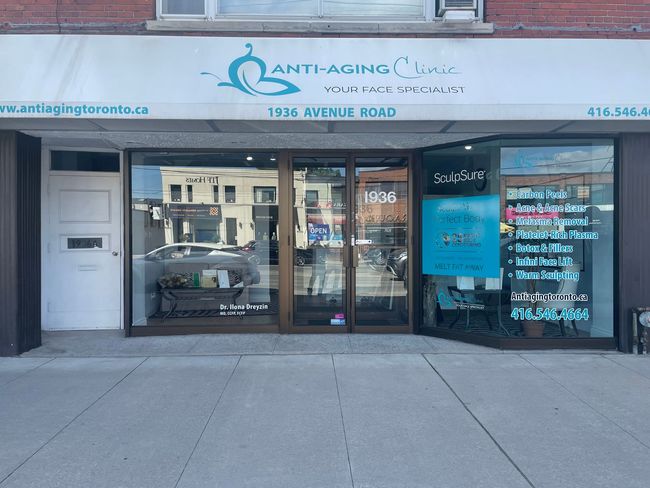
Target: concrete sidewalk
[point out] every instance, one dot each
(319, 411)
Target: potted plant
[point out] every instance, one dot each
(174, 280)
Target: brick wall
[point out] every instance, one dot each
(512, 18)
(74, 15)
(571, 18)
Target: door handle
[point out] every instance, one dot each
(347, 255)
(115, 253)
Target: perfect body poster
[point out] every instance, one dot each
(460, 236)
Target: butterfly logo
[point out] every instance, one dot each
(248, 75)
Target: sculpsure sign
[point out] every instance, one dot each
(152, 77)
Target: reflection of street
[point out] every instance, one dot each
(370, 282)
(378, 281)
(269, 276)
(318, 279)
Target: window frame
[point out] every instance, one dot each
(312, 201)
(211, 12)
(206, 12)
(172, 191)
(274, 201)
(226, 193)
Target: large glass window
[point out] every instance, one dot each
(404, 8)
(333, 8)
(382, 10)
(199, 262)
(517, 238)
(183, 7)
(269, 7)
(303, 8)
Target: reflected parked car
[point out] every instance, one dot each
(397, 263)
(377, 256)
(306, 256)
(262, 252)
(194, 257)
(268, 252)
(183, 259)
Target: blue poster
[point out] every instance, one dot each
(317, 232)
(460, 236)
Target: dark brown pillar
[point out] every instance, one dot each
(20, 243)
(633, 231)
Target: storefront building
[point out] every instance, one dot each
(379, 176)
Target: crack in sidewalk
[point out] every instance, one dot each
(345, 436)
(207, 422)
(492, 438)
(71, 421)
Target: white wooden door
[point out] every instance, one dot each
(82, 282)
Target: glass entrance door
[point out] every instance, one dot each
(380, 271)
(320, 253)
(350, 240)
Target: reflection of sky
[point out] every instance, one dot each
(554, 160)
(146, 182)
(374, 169)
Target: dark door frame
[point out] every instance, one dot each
(286, 269)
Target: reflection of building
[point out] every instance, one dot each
(381, 212)
(224, 205)
(319, 207)
(147, 215)
(595, 189)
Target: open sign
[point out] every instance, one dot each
(318, 232)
